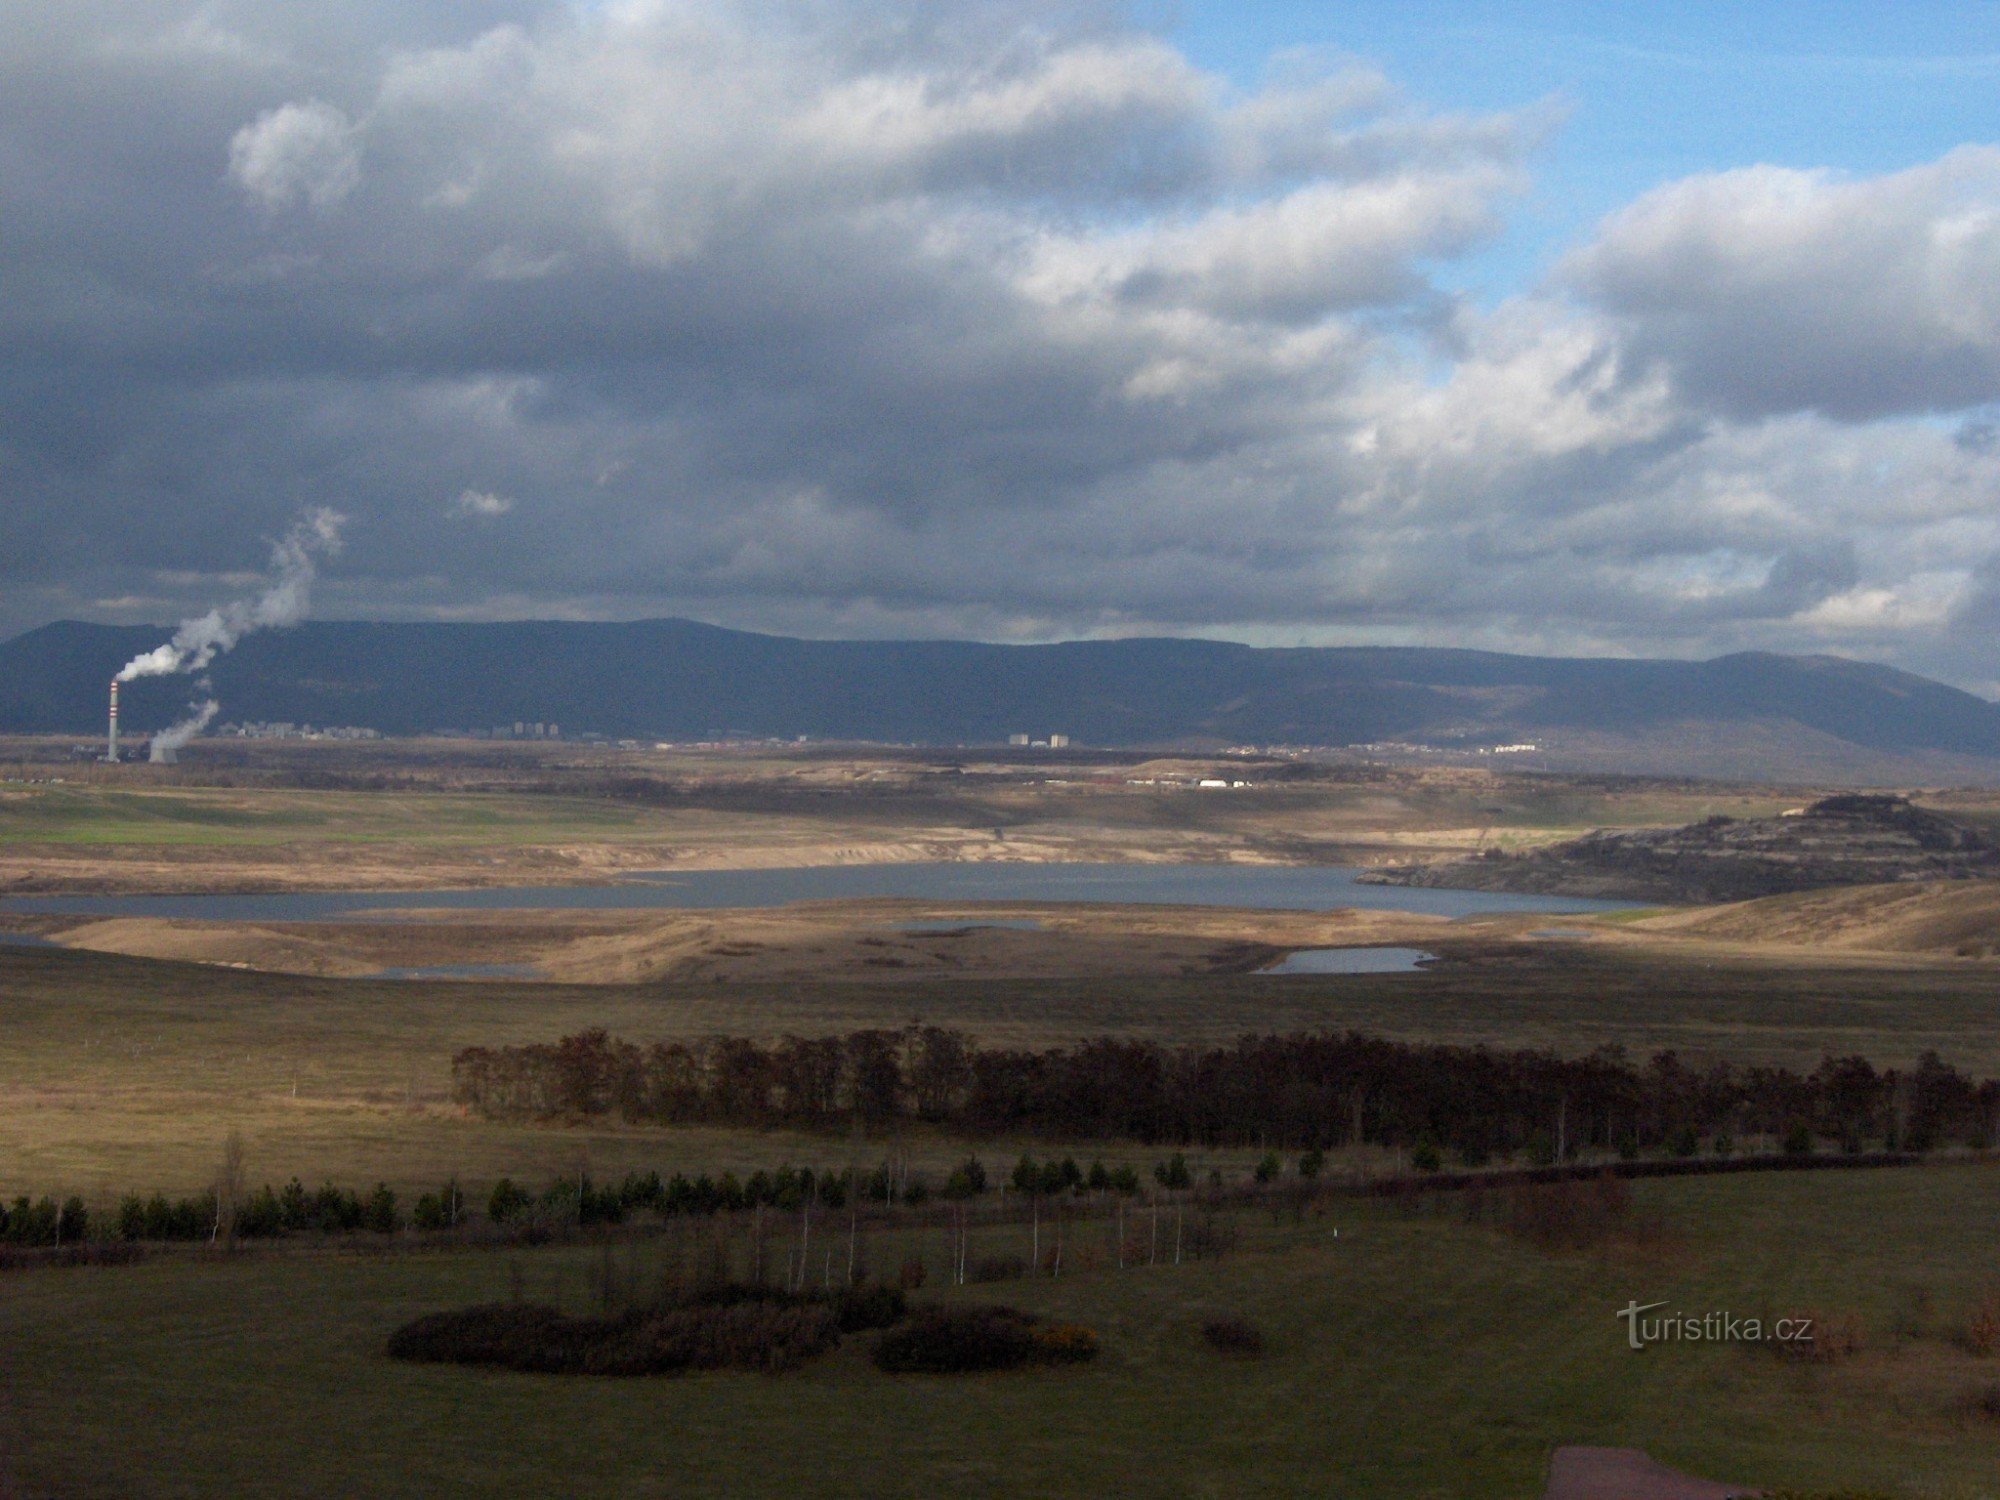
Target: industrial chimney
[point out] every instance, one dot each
(111, 751)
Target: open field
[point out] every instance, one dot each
(125, 1073)
(241, 817)
(1408, 1357)
(1413, 1355)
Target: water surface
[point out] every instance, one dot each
(1351, 961)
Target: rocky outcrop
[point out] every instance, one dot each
(1838, 841)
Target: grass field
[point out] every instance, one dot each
(120, 1073)
(1408, 1357)
(106, 817)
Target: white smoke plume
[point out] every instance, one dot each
(166, 745)
(294, 559)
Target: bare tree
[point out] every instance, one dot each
(229, 1188)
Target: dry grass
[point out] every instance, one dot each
(119, 1073)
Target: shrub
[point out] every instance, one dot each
(1981, 1334)
(1798, 1140)
(1173, 1173)
(506, 1201)
(1570, 1215)
(967, 1180)
(1684, 1142)
(1832, 1338)
(1426, 1158)
(990, 1268)
(1312, 1163)
(1063, 1344)
(855, 1309)
(956, 1340)
(378, 1214)
(80, 1253)
(859, 1308)
(766, 1335)
(1266, 1171)
(1208, 1236)
(1984, 1402)
(1233, 1336)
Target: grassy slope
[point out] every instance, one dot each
(102, 816)
(1410, 1358)
(120, 1073)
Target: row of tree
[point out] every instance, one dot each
(223, 1214)
(1298, 1091)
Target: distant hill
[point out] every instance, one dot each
(678, 679)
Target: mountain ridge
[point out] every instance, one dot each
(682, 679)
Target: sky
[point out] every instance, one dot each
(1663, 329)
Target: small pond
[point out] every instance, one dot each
(1352, 961)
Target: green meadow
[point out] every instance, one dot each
(1409, 1354)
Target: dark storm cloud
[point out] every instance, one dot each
(874, 317)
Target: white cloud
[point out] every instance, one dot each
(296, 151)
(480, 503)
(1769, 290)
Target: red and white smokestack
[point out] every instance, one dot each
(112, 754)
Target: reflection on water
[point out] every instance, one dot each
(1267, 887)
(1351, 961)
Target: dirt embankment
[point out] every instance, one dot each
(877, 940)
(1838, 841)
(1944, 919)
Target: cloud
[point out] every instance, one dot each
(1772, 290)
(296, 152)
(1004, 320)
(481, 503)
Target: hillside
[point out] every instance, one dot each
(1942, 918)
(1837, 841)
(677, 679)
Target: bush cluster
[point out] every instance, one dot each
(769, 1335)
(961, 1340)
(731, 1325)
(1051, 1177)
(1233, 1336)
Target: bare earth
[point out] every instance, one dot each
(1625, 1474)
(807, 941)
